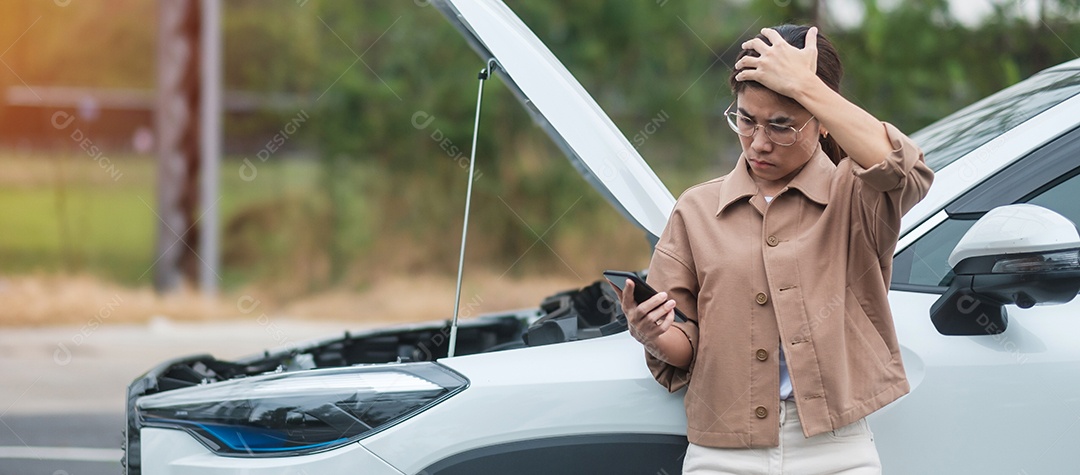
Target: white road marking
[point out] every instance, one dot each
(82, 454)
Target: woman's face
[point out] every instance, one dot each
(768, 160)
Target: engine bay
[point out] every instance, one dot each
(589, 312)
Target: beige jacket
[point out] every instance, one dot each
(809, 271)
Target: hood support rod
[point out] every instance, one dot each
(483, 76)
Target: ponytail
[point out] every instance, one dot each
(832, 149)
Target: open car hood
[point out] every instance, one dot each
(569, 115)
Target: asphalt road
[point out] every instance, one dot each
(61, 444)
(62, 389)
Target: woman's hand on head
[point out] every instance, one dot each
(650, 319)
(781, 67)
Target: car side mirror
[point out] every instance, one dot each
(1018, 254)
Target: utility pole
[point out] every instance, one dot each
(188, 126)
(210, 135)
(818, 13)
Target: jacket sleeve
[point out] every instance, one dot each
(889, 189)
(672, 270)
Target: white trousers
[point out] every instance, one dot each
(848, 450)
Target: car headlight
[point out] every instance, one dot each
(302, 412)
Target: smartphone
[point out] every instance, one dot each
(642, 291)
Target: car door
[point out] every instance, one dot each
(1005, 402)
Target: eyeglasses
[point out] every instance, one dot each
(783, 135)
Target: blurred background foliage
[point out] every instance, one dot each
(373, 182)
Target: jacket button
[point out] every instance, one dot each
(761, 412)
(761, 298)
(773, 241)
(762, 355)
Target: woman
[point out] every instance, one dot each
(782, 267)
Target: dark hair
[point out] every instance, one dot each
(829, 70)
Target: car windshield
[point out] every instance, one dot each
(948, 139)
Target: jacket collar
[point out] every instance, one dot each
(813, 181)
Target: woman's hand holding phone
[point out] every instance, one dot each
(649, 319)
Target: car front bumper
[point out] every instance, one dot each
(177, 453)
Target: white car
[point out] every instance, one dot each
(563, 388)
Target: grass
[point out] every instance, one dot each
(77, 249)
(64, 213)
(76, 238)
